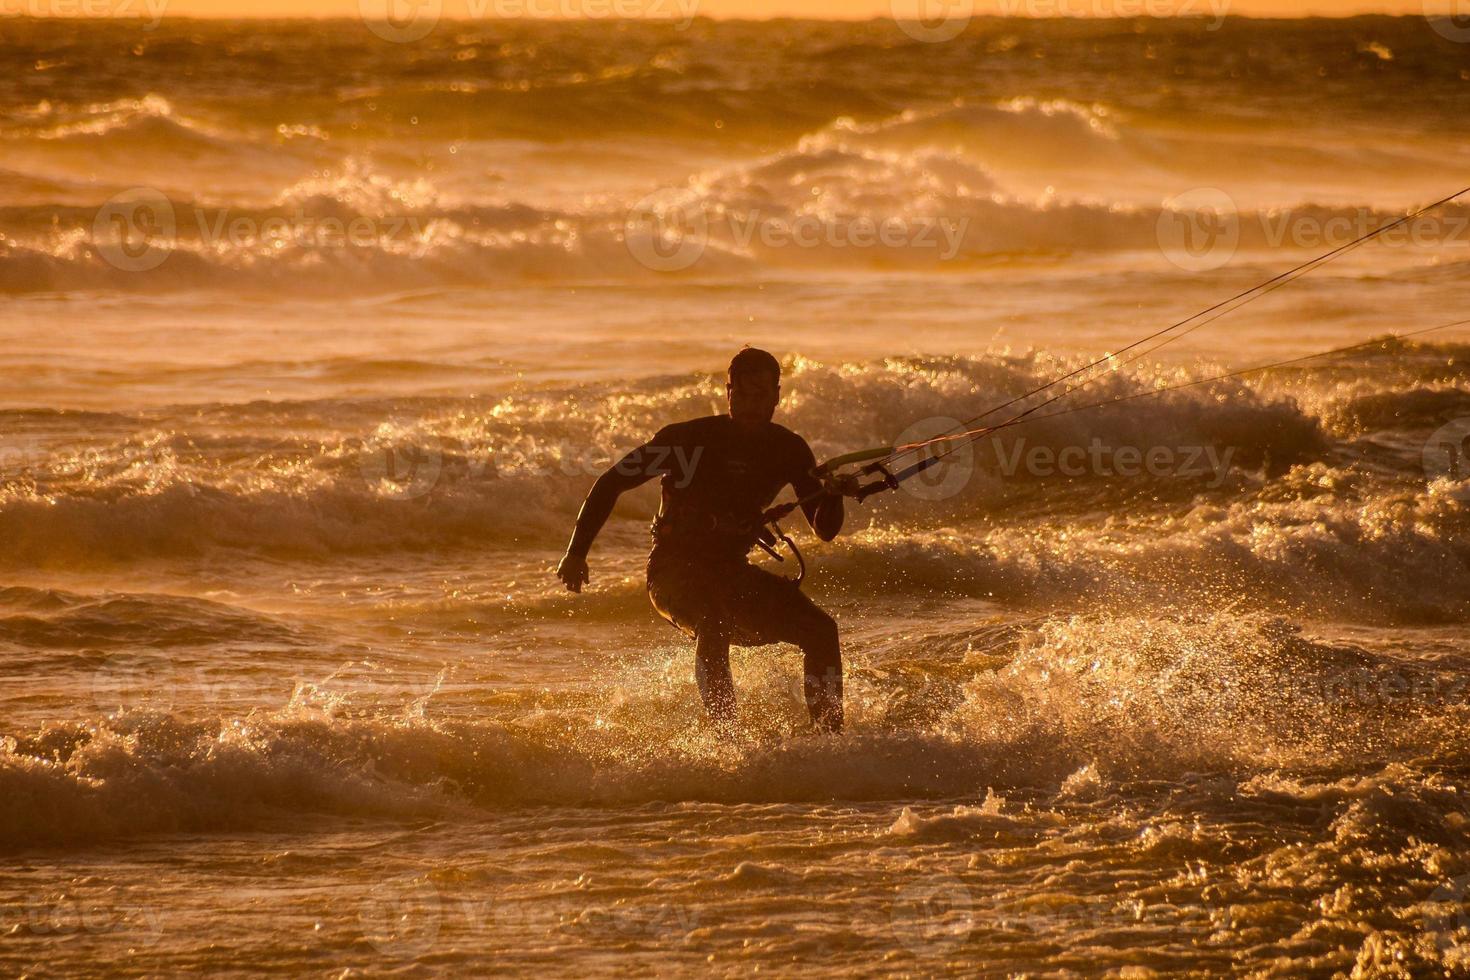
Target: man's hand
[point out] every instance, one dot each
(573, 572)
(842, 485)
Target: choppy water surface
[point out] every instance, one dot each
(1176, 687)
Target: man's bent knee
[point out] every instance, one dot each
(819, 635)
(822, 648)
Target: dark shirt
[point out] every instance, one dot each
(717, 478)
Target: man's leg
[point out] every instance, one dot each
(769, 609)
(755, 608)
(712, 674)
(683, 595)
(822, 653)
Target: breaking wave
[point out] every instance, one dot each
(838, 211)
(1118, 698)
(1320, 496)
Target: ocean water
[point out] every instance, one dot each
(312, 343)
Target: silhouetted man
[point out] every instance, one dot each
(718, 475)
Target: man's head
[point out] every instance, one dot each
(753, 386)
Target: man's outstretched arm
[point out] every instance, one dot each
(826, 512)
(633, 470)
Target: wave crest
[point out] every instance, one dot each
(1129, 698)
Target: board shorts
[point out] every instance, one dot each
(750, 605)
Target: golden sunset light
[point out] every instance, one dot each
(696, 488)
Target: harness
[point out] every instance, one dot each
(691, 523)
(765, 531)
